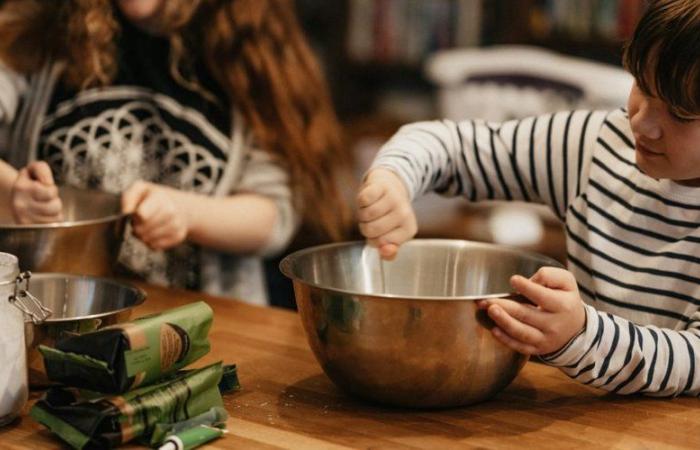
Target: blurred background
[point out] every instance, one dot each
(390, 62)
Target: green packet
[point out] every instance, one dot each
(124, 356)
(106, 422)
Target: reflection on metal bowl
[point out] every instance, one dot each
(87, 241)
(407, 332)
(79, 304)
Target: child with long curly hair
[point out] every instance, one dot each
(211, 117)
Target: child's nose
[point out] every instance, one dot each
(646, 122)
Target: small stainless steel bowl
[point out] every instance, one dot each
(87, 241)
(78, 304)
(407, 332)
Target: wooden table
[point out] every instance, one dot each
(287, 402)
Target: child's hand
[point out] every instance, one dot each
(158, 219)
(34, 197)
(385, 213)
(555, 318)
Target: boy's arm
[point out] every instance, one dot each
(541, 159)
(616, 355)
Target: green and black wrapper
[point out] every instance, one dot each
(125, 356)
(106, 422)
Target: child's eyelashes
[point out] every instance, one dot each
(680, 118)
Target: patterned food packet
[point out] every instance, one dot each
(106, 422)
(124, 356)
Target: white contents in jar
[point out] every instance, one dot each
(13, 362)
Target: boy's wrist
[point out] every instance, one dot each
(387, 173)
(571, 345)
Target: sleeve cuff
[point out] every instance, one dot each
(576, 348)
(286, 224)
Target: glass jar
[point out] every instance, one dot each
(16, 305)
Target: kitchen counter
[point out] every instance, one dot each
(287, 402)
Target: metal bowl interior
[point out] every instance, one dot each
(407, 333)
(87, 242)
(75, 297)
(80, 207)
(425, 269)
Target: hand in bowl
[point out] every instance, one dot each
(556, 316)
(159, 219)
(385, 213)
(34, 197)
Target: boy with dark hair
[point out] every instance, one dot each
(626, 184)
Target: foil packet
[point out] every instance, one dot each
(128, 355)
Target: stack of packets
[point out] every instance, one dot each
(124, 382)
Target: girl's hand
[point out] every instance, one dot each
(545, 327)
(159, 218)
(385, 213)
(34, 197)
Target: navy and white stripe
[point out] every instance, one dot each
(633, 242)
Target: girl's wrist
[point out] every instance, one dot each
(188, 204)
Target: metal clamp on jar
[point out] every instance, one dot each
(16, 303)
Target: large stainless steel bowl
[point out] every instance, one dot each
(407, 332)
(78, 304)
(87, 241)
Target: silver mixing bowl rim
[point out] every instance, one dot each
(286, 268)
(65, 224)
(140, 294)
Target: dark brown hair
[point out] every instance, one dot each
(255, 50)
(664, 54)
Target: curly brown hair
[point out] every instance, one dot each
(256, 51)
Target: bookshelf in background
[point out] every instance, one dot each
(405, 32)
(374, 47)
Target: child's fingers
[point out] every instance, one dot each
(145, 227)
(155, 234)
(164, 243)
(514, 328)
(382, 226)
(50, 209)
(397, 236)
(369, 194)
(378, 209)
(535, 292)
(525, 313)
(148, 209)
(43, 193)
(555, 278)
(34, 189)
(133, 196)
(44, 218)
(40, 171)
(388, 251)
(166, 235)
(513, 344)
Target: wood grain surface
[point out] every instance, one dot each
(287, 402)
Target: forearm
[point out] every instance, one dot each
(616, 355)
(525, 159)
(8, 175)
(241, 223)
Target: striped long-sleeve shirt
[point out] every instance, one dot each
(633, 242)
